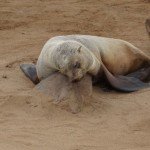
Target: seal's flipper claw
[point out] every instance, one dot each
(30, 71)
(124, 83)
(147, 24)
(141, 74)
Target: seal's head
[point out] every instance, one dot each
(71, 61)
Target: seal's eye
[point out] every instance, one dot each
(77, 65)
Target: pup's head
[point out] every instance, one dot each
(71, 60)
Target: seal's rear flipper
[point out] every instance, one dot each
(124, 83)
(147, 24)
(30, 71)
(129, 84)
(141, 74)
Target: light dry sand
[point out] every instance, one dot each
(28, 119)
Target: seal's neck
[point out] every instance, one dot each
(95, 64)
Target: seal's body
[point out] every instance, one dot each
(76, 55)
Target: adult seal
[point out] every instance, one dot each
(124, 65)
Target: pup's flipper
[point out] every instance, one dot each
(30, 71)
(58, 88)
(55, 86)
(124, 83)
(147, 24)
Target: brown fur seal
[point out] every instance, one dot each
(77, 55)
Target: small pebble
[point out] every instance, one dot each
(8, 65)
(4, 76)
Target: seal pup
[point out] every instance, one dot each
(77, 55)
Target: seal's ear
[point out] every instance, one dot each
(124, 83)
(147, 25)
(79, 49)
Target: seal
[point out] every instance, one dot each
(147, 25)
(124, 65)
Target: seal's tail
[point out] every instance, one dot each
(147, 25)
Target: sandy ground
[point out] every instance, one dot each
(28, 119)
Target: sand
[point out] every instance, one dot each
(28, 119)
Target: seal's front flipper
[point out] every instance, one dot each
(124, 83)
(58, 87)
(147, 24)
(141, 74)
(30, 71)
